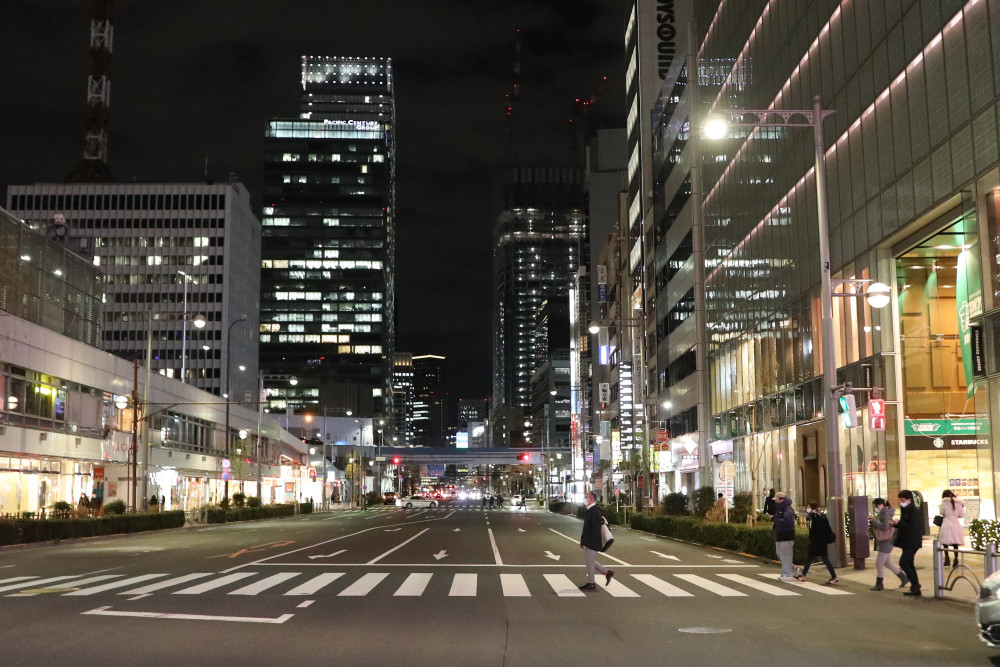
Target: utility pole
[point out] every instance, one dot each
(135, 429)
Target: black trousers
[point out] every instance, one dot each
(906, 565)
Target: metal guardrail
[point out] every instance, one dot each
(959, 570)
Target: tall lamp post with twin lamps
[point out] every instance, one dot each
(229, 400)
(716, 127)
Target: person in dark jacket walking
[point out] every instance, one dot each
(591, 543)
(784, 533)
(909, 538)
(769, 503)
(820, 538)
(884, 534)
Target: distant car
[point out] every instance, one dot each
(988, 610)
(517, 500)
(389, 498)
(416, 501)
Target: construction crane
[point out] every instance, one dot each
(93, 168)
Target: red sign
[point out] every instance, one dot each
(662, 435)
(876, 414)
(639, 480)
(98, 474)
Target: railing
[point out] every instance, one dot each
(959, 570)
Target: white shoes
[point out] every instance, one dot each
(787, 579)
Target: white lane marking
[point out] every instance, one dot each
(7, 581)
(657, 553)
(215, 583)
(364, 585)
(335, 553)
(27, 592)
(264, 584)
(616, 588)
(603, 555)
(117, 584)
(106, 611)
(315, 584)
(493, 542)
(463, 585)
(398, 546)
(549, 554)
(563, 587)
(731, 560)
(392, 530)
(139, 597)
(176, 581)
(414, 585)
(760, 586)
(303, 605)
(441, 554)
(825, 590)
(661, 586)
(514, 586)
(29, 584)
(711, 586)
(520, 530)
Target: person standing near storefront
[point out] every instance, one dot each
(951, 534)
(909, 538)
(784, 533)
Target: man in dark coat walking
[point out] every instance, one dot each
(769, 503)
(909, 538)
(592, 543)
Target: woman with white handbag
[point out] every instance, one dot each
(592, 542)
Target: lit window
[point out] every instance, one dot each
(287, 178)
(290, 157)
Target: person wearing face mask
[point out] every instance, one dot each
(884, 534)
(820, 538)
(909, 538)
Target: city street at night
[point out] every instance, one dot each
(451, 585)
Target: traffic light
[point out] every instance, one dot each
(876, 414)
(525, 457)
(848, 411)
(395, 460)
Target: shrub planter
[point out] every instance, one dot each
(752, 540)
(23, 531)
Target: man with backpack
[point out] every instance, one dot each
(784, 533)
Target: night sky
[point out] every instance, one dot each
(195, 79)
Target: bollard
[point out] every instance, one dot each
(937, 558)
(990, 560)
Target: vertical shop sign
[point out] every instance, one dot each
(978, 355)
(969, 302)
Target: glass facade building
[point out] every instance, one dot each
(327, 266)
(911, 163)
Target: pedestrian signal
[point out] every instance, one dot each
(876, 414)
(848, 411)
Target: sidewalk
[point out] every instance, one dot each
(963, 590)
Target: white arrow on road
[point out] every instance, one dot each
(337, 553)
(457, 530)
(441, 554)
(713, 556)
(665, 556)
(520, 530)
(731, 560)
(549, 554)
(392, 530)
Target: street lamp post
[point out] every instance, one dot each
(229, 399)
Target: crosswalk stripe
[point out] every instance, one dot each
(563, 587)
(414, 585)
(68, 584)
(463, 585)
(315, 584)
(756, 585)
(364, 585)
(825, 590)
(711, 586)
(513, 586)
(116, 584)
(215, 583)
(7, 581)
(661, 586)
(37, 582)
(264, 584)
(617, 588)
(160, 585)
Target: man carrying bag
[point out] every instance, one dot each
(592, 542)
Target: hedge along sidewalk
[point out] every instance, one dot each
(17, 532)
(757, 541)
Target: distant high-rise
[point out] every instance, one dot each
(472, 410)
(429, 400)
(327, 266)
(399, 430)
(165, 249)
(540, 240)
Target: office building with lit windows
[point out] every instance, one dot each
(540, 240)
(166, 250)
(399, 427)
(327, 267)
(430, 400)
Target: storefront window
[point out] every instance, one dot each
(940, 297)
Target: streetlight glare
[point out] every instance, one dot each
(878, 295)
(199, 321)
(594, 327)
(293, 380)
(667, 405)
(716, 127)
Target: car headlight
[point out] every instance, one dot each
(987, 593)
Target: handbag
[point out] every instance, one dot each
(606, 539)
(938, 520)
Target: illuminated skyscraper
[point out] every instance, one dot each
(327, 266)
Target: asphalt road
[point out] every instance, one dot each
(445, 586)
